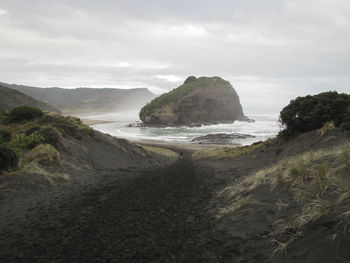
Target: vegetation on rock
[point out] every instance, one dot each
(216, 91)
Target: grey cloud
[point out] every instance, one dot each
(268, 49)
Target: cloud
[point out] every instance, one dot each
(275, 49)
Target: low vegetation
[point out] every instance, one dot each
(161, 151)
(318, 185)
(27, 134)
(312, 112)
(5, 136)
(8, 157)
(42, 154)
(228, 152)
(23, 113)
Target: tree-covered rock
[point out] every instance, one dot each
(311, 112)
(198, 101)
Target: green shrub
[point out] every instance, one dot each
(5, 136)
(31, 130)
(8, 158)
(311, 112)
(23, 113)
(72, 126)
(22, 142)
(50, 136)
(33, 140)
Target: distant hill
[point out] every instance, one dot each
(88, 100)
(10, 98)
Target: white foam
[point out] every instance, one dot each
(263, 128)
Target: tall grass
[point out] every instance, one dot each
(317, 181)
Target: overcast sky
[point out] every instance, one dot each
(270, 50)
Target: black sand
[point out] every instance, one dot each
(152, 217)
(162, 215)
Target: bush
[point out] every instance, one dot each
(21, 142)
(8, 158)
(23, 113)
(73, 126)
(311, 112)
(33, 140)
(5, 136)
(50, 136)
(31, 130)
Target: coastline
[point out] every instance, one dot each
(94, 122)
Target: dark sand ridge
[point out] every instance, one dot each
(154, 216)
(169, 215)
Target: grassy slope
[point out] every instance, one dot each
(75, 153)
(287, 193)
(10, 98)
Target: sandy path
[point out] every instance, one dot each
(154, 217)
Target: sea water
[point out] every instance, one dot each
(264, 127)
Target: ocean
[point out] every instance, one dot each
(264, 127)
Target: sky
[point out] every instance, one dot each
(270, 50)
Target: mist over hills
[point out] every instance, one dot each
(10, 98)
(88, 100)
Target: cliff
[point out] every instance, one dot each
(198, 101)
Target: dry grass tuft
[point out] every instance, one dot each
(318, 183)
(312, 211)
(327, 127)
(43, 153)
(235, 205)
(36, 169)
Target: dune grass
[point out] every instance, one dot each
(235, 205)
(43, 153)
(36, 161)
(228, 152)
(35, 143)
(161, 151)
(319, 184)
